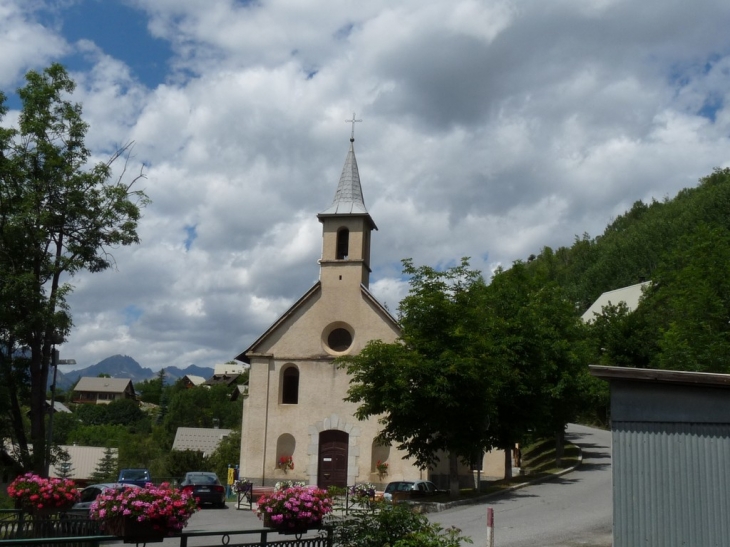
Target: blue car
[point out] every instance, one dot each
(138, 477)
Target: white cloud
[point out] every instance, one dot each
(491, 129)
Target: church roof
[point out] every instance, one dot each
(243, 356)
(348, 197)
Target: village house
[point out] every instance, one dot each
(102, 391)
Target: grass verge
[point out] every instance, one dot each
(538, 461)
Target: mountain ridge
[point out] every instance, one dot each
(124, 366)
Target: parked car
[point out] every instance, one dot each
(91, 492)
(137, 476)
(410, 489)
(205, 487)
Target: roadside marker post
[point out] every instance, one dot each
(490, 527)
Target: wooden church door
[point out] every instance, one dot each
(332, 469)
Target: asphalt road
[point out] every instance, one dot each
(568, 511)
(574, 510)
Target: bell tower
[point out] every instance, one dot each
(346, 228)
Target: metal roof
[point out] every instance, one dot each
(682, 377)
(103, 385)
(84, 460)
(628, 295)
(348, 197)
(203, 439)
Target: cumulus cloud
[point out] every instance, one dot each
(491, 129)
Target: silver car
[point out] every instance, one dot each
(90, 493)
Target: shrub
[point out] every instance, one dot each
(395, 525)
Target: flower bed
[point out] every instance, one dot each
(165, 508)
(35, 493)
(294, 508)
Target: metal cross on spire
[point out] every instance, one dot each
(352, 121)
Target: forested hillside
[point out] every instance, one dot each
(681, 245)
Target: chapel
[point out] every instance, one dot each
(296, 425)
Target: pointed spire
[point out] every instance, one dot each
(348, 197)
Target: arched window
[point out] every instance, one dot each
(343, 244)
(290, 386)
(285, 446)
(379, 454)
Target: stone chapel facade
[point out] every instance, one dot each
(295, 408)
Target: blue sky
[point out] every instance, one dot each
(491, 128)
(118, 29)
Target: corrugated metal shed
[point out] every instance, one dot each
(671, 448)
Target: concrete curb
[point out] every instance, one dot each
(432, 507)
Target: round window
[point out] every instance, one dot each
(339, 339)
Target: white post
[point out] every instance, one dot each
(490, 527)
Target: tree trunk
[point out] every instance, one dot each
(453, 475)
(559, 441)
(40, 355)
(507, 462)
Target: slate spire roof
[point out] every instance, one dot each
(348, 197)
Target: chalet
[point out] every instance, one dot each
(102, 391)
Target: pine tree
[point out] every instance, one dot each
(107, 468)
(64, 468)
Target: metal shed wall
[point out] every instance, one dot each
(671, 450)
(671, 484)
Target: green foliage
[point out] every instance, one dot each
(124, 412)
(58, 216)
(199, 407)
(151, 390)
(394, 525)
(64, 467)
(107, 470)
(689, 304)
(537, 344)
(425, 385)
(228, 452)
(477, 367)
(145, 450)
(180, 462)
(98, 435)
(63, 424)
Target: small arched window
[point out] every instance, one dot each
(290, 386)
(343, 244)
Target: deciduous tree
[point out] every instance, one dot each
(432, 390)
(59, 215)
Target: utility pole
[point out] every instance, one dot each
(55, 361)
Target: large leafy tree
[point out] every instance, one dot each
(432, 390)
(535, 342)
(689, 303)
(59, 215)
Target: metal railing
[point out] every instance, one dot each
(18, 526)
(77, 530)
(323, 537)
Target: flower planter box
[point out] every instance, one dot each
(133, 531)
(286, 529)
